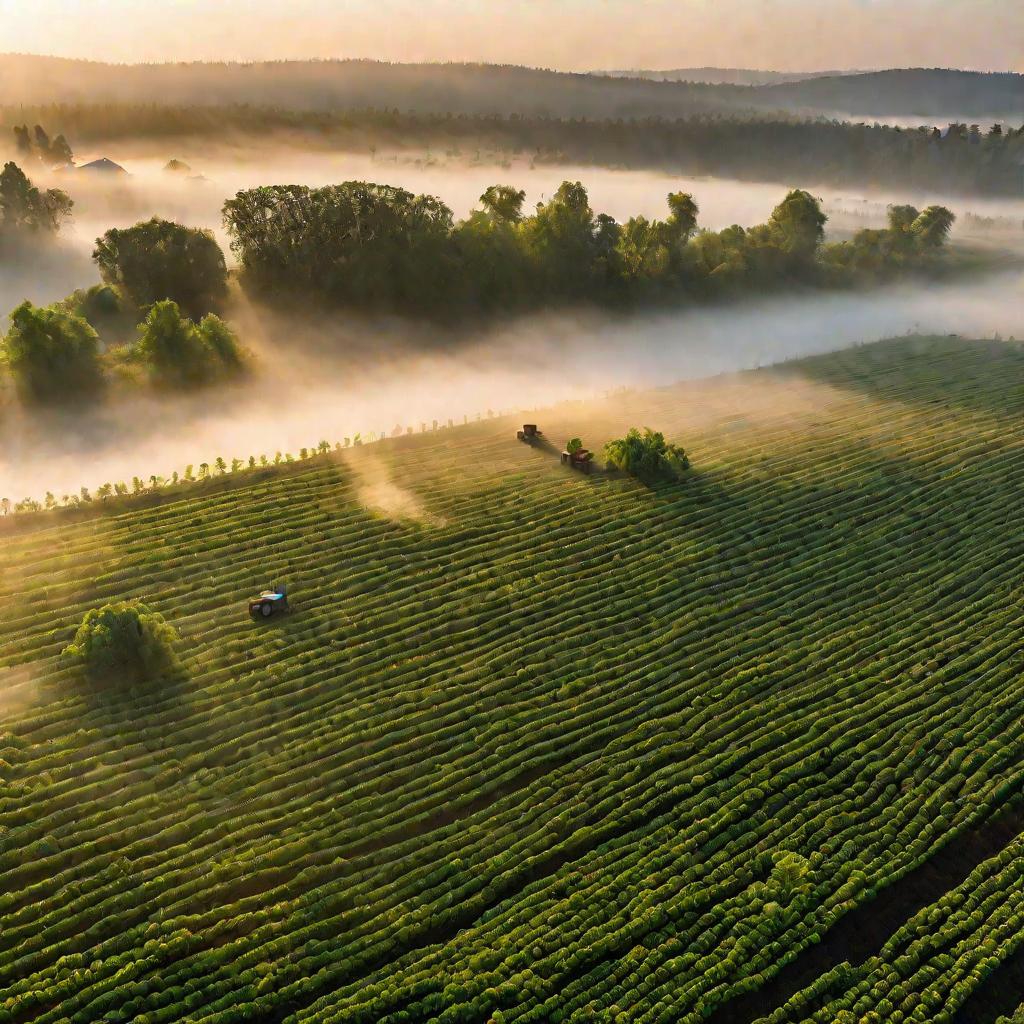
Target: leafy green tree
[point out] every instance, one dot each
(171, 348)
(561, 241)
(647, 456)
(932, 227)
(160, 259)
(24, 208)
(52, 355)
(504, 203)
(179, 354)
(125, 642)
(374, 246)
(488, 245)
(797, 224)
(222, 342)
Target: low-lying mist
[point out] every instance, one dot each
(331, 378)
(217, 172)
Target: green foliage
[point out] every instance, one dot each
(26, 209)
(692, 735)
(125, 642)
(160, 259)
(113, 319)
(180, 354)
(647, 456)
(912, 239)
(375, 247)
(53, 355)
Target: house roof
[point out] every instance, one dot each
(103, 164)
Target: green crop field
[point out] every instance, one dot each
(538, 746)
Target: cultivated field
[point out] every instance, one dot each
(535, 746)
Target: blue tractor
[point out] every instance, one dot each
(271, 602)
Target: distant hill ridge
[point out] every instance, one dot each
(503, 89)
(724, 76)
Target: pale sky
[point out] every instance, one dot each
(985, 35)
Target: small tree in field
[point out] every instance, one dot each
(126, 643)
(647, 456)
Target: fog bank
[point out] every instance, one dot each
(333, 378)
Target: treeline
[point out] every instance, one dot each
(381, 248)
(965, 159)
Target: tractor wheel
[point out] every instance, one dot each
(266, 609)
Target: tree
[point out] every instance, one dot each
(797, 224)
(221, 341)
(562, 244)
(160, 259)
(22, 140)
(932, 226)
(682, 221)
(179, 354)
(53, 355)
(24, 208)
(124, 642)
(504, 203)
(647, 456)
(60, 152)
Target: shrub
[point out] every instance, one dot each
(178, 353)
(125, 642)
(52, 354)
(160, 259)
(647, 456)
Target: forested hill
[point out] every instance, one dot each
(494, 89)
(359, 84)
(723, 76)
(913, 92)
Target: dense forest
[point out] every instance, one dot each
(962, 158)
(499, 89)
(379, 247)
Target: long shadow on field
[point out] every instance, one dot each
(934, 372)
(998, 995)
(862, 932)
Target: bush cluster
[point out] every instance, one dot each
(647, 456)
(125, 642)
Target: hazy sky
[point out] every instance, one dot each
(571, 34)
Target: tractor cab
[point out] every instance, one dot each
(529, 434)
(270, 602)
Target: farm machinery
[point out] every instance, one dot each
(529, 434)
(576, 456)
(270, 602)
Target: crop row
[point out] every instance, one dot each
(567, 746)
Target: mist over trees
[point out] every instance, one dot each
(381, 248)
(178, 353)
(27, 210)
(37, 146)
(960, 158)
(52, 355)
(160, 259)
